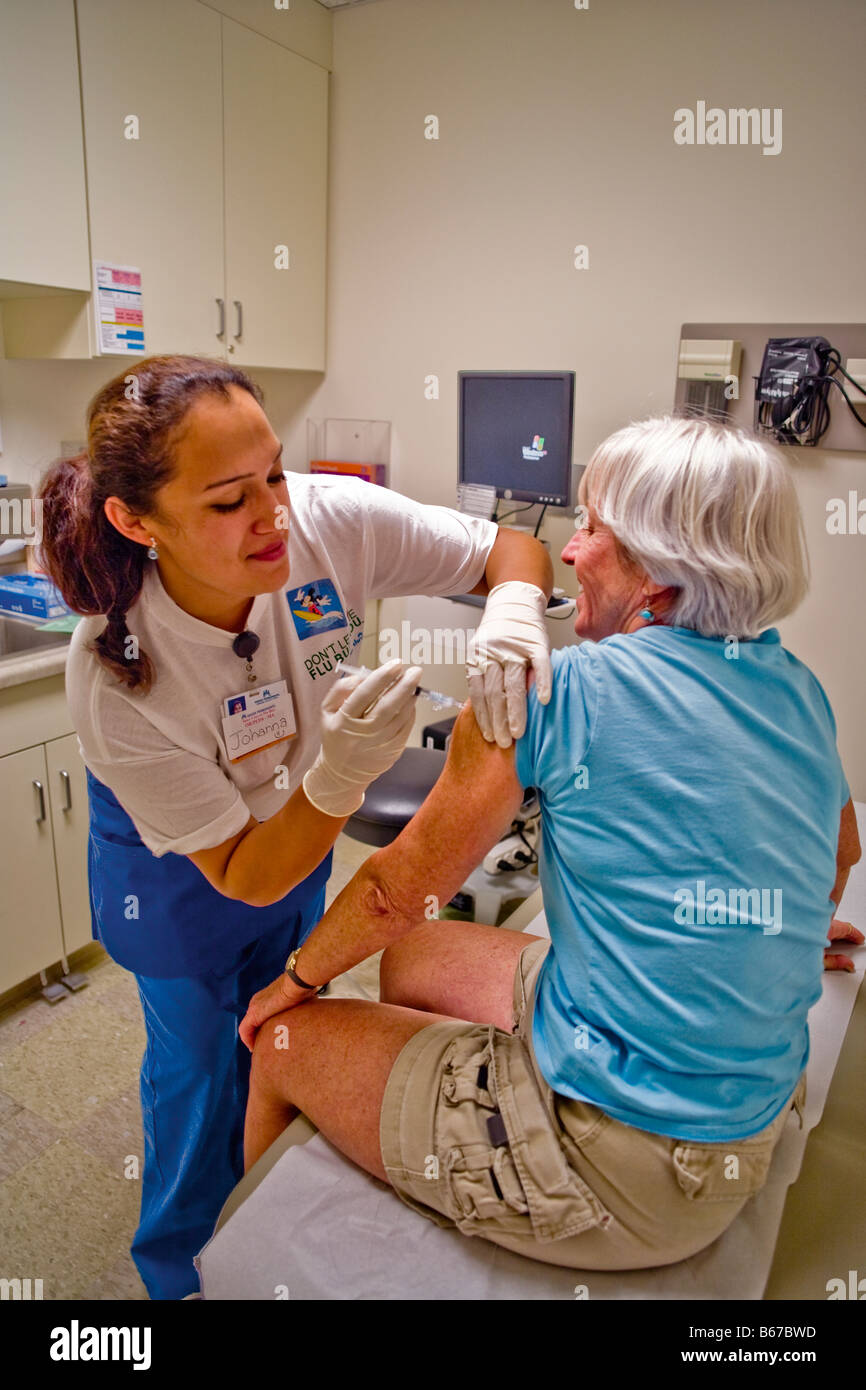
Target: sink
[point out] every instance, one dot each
(18, 638)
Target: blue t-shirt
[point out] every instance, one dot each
(690, 795)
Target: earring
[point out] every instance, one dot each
(647, 614)
(153, 553)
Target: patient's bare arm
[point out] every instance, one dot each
(848, 851)
(471, 806)
(847, 855)
(466, 813)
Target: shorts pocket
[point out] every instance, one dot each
(504, 1167)
(485, 1187)
(480, 1176)
(724, 1172)
(466, 1070)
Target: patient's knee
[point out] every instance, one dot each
(273, 1041)
(398, 972)
(393, 973)
(386, 975)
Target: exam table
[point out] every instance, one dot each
(305, 1223)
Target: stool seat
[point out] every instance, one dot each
(392, 800)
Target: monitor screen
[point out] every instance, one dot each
(516, 434)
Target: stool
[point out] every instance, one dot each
(490, 892)
(438, 735)
(391, 802)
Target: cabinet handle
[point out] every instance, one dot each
(240, 311)
(222, 328)
(41, 791)
(67, 787)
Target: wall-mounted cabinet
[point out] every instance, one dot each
(150, 76)
(276, 113)
(43, 206)
(206, 150)
(304, 26)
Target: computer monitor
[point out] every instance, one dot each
(515, 434)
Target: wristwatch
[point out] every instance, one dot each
(290, 971)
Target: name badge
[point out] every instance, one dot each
(256, 719)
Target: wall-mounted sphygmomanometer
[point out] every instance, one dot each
(777, 379)
(794, 389)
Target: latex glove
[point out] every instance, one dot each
(511, 636)
(359, 743)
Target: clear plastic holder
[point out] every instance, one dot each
(349, 441)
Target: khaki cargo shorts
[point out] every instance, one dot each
(473, 1137)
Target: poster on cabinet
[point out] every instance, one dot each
(119, 312)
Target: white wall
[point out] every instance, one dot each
(556, 128)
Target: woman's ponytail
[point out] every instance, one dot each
(96, 569)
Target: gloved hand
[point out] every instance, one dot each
(511, 635)
(359, 743)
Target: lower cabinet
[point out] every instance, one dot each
(70, 823)
(44, 907)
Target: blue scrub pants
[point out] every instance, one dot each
(198, 958)
(194, 1085)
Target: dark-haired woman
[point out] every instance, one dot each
(223, 758)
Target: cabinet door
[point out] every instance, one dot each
(30, 936)
(156, 202)
(70, 820)
(276, 130)
(43, 208)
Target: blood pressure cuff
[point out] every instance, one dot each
(787, 362)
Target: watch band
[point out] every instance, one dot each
(290, 971)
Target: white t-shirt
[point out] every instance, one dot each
(163, 754)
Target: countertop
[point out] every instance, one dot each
(32, 666)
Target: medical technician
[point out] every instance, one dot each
(223, 753)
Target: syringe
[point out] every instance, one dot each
(437, 698)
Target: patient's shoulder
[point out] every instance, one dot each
(582, 661)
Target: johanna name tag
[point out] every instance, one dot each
(257, 719)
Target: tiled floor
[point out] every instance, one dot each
(71, 1142)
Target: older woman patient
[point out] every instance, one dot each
(609, 1098)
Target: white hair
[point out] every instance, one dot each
(710, 509)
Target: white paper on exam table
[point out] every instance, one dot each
(320, 1228)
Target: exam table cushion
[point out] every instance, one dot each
(392, 800)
